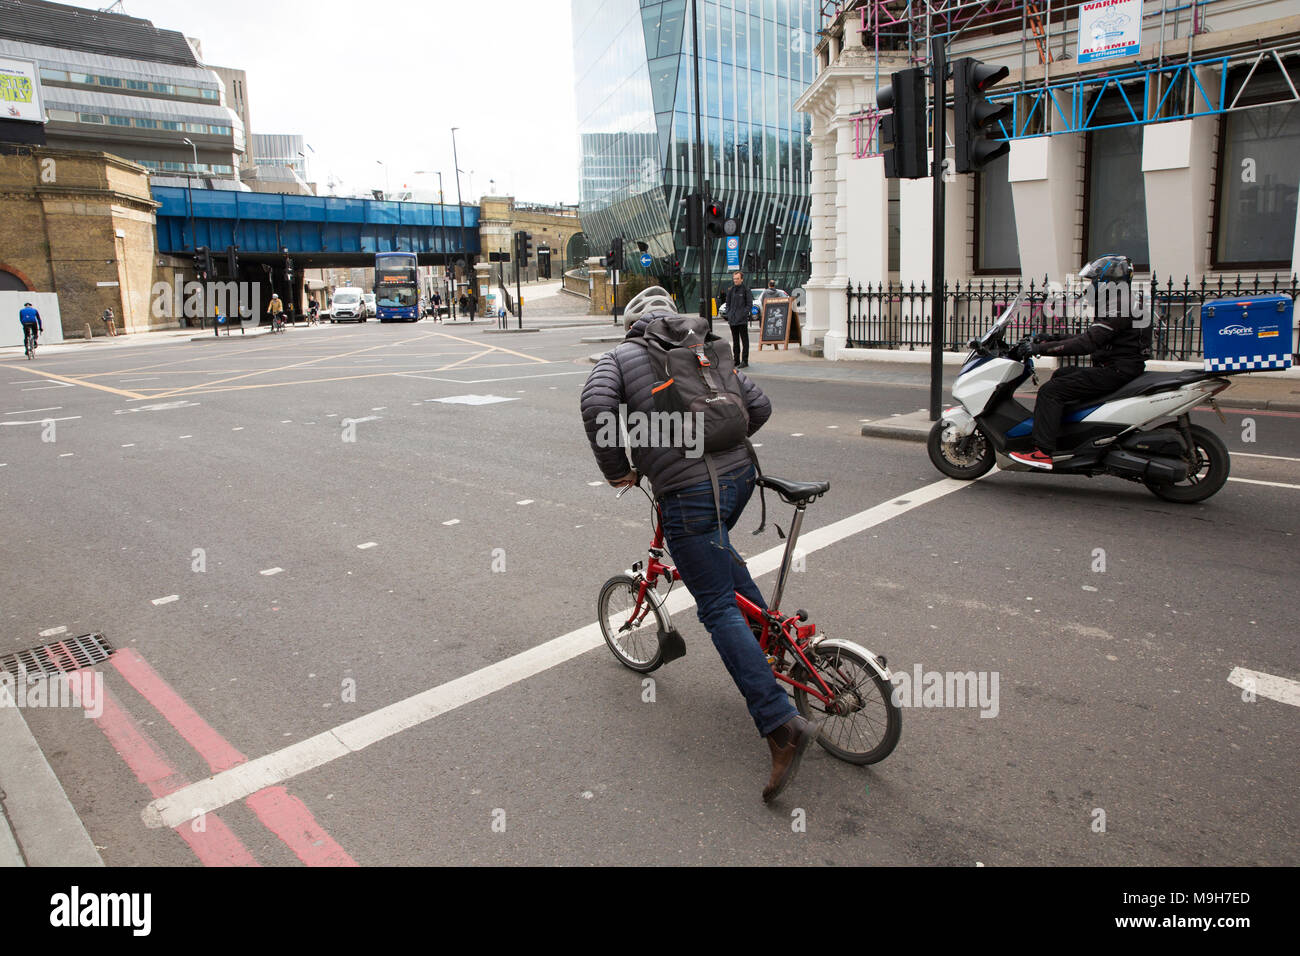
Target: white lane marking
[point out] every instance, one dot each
(42, 421)
(27, 381)
(1266, 685)
(367, 545)
(129, 445)
(473, 400)
(358, 421)
(1270, 484)
(151, 378)
(4, 464)
(1244, 454)
(287, 421)
(380, 408)
(52, 631)
(452, 521)
(44, 388)
(595, 484)
(484, 381)
(797, 435)
(230, 786)
(66, 454)
(187, 436)
(33, 411)
(832, 426)
(167, 600)
(270, 571)
(237, 428)
(526, 501)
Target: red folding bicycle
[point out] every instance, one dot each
(838, 682)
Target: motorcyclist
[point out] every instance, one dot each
(1118, 349)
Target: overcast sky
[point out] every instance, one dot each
(387, 81)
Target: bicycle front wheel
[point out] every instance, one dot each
(631, 629)
(861, 723)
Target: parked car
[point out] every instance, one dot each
(348, 305)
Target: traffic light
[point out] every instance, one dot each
(523, 247)
(804, 263)
(772, 237)
(692, 227)
(714, 219)
(202, 263)
(232, 261)
(975, 118)
(618, 251)
(903, 132)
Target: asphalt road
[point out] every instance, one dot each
(329, 536)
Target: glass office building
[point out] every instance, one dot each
(636, 122)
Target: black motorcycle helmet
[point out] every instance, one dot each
(1109, 284)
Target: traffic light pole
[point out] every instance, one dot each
(939, 77)
(519, 267)
(702, 185)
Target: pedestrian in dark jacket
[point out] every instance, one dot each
(623, 379)
(739, 301)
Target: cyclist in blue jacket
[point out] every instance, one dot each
(31, 322)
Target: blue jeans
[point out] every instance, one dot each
(713, 575)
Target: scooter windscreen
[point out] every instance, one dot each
(991, 336)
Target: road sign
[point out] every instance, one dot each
(733, 252)
(646, 260)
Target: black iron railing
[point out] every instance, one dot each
(893, 316)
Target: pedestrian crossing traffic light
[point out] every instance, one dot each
(715, 219)
(772, 241)
(903, 131)
(976, 121)
(692, 228)
(203, 263)
(523, 247)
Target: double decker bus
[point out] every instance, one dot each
(397, 287)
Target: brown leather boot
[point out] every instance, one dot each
(787, 743)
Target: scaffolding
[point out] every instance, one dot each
(1174, 84)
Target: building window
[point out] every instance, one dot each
(119, 121)
(54, 76)
(146, 123)
(1116, 221)
(1255, 209)
(997, 248)
(90, 118)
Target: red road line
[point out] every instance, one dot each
(215, 844)
(284, 815)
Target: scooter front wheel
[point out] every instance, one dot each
(965, 458)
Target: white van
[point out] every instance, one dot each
(348, 305)
(368, 300)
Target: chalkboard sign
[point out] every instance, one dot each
(779, 322)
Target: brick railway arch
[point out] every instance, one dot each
(14, 280)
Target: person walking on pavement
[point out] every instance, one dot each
(709, 567)
(109, 325)
(463, 303)
(738, 301)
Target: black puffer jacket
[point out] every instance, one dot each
(625, 376)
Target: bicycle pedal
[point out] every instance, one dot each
(671, 645)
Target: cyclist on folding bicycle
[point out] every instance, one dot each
(699, 546)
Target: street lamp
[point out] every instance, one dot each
(459, 201)
(189, 189)
(387, 181)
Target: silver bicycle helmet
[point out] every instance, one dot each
(653, 299)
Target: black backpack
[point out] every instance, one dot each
(693, 376)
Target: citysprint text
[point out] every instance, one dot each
(80, 689)
(653, 430)
(132, 910)
(923, 688)
(196, 300)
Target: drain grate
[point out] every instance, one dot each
(58, 657)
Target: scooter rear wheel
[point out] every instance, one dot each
(966, 458)
(1206, 475)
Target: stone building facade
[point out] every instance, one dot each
(80, 224)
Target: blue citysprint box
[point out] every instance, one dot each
(1241, 335)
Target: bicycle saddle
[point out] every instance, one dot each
(795, 492)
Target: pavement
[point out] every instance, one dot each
(399, 628)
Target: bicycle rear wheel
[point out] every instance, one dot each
(861, 724)
(631, 633)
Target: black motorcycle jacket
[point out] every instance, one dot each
(1112, 342)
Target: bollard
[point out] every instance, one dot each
(90, 333)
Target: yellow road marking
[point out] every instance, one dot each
(467, 358)
(285, 368)
(76, 381)
(498, 348)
